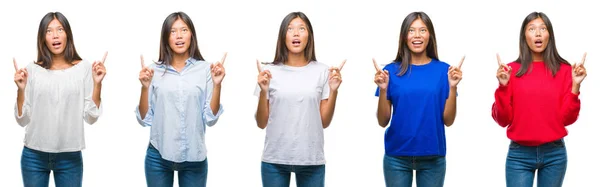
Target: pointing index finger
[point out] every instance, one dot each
(499, 61)
(258, 66)
(342, 65)
(376, 66)
(104, 57)
(223, 59)
(142, 61)
(15, 64)
(461, 62)
(583, 59)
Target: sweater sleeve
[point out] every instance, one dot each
(502, 110)
(570, 102)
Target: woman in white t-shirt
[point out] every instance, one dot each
(56, 94)
(297, 98)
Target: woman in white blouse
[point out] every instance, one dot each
(54, 94)
(178, 102)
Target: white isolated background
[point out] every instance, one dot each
(247, 30)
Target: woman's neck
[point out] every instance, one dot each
(178, 61)
(59, 62)
(296, 60)
(419, 59)
(537, 57)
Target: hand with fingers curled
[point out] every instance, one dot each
(20, 76)
(335, 76)
(382, 77)
(146, 74)
(98, 69)
(578, 71)
(503, 73)
(455, 73)
(264, 77)
(217, 71)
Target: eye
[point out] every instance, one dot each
(290, 29)
(48, 31)
(543, 29)
(531, 29)
(60, 30)
(411, 31)
(172, 31)
(302, 29)
(423, 30)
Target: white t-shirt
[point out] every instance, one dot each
(57, 102)
(294, 129)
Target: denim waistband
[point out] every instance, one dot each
(555, 142)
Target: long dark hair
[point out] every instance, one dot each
(281, 53)
(404, 54)
(166, 53)
(551, 57)
(44, 57)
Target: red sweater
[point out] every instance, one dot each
(536, 107)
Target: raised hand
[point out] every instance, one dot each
(217, 71)
(20, 76)
(503, 73)
(579, 73)
(382, 77)
(264, 77)
(98, 70)
(335, 77)
(146, 74)
(455, 74)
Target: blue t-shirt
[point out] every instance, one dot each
(418, 98)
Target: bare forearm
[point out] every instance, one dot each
(262, 111)
(329, 108)
(20, 100)
(450, 107)
(215, 101)
(383, 109)
(143, 105)
(96, 94)
(575, 88)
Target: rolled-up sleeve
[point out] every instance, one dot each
(210, 119)
(91, 111)
(25, 116)
(147, 121)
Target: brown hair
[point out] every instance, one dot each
(44, 57)
(404, 54)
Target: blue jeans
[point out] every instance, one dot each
(550, 161)
(36, 166)
(159, 172)
(398, 171)
(278, 175)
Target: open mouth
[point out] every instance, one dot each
(56, 44)
(538, 43)
(417, 43)
(179, 44)
(296, 42)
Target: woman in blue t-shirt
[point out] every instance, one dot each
(422, 91)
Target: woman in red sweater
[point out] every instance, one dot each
(536, 102)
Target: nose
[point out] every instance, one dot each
(178, 34)
(538, 32)
(296, 32)
(54, 35)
